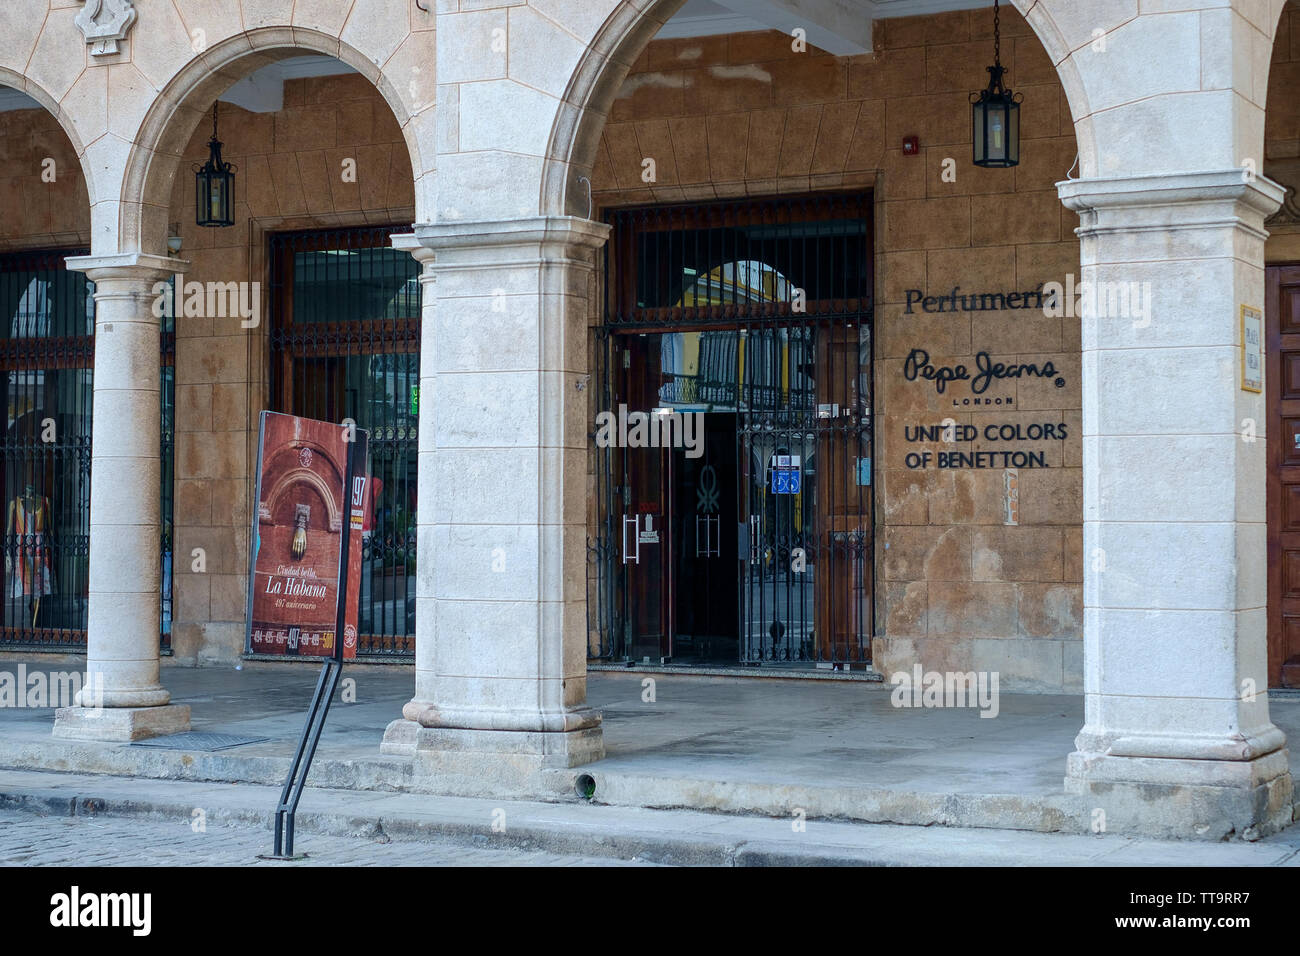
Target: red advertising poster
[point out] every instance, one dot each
(297, 542)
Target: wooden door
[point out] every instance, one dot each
(645, 528)
(843, 500)
(1282, 387)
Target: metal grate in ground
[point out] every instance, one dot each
(194, 740)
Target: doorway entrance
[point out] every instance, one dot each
(1282, 389)
(734, 437)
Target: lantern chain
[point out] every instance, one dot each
(997, 36)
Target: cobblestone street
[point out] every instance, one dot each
(28, 839)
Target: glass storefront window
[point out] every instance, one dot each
(747, 327)
(345, 345)
(47, 352)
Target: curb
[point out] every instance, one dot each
(573, 827)
(559, 838)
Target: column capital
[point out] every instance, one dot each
(410, 242)
(512, 240)
(127, 265)
(1168, 200)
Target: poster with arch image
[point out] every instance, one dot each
(297, 536)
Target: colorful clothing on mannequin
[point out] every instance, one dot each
(31, 572)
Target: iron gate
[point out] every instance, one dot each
(345, 342)
(755, 545)
(47, 346)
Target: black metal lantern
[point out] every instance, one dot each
(214, 185)
(995, 114)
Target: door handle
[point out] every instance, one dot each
(635, 554)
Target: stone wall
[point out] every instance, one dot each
(37, 211)
(966, 578)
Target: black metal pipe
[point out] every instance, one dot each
(330, 672)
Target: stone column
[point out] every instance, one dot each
(1177, 737)
(400, 735)
(501, 614)
(123, 698)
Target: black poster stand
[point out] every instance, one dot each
(326, 686)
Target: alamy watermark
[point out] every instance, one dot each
(660, 428)
(1098, 300)
(50, 689)
(131, 911)
(210, 300)
(946, 689)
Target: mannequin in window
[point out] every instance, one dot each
(27, 560)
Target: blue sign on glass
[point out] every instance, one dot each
(787, 477)
(864, 471)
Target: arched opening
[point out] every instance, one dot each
(168, 130)
(619, 49)
(713, 148)
(302, 306)
(47, 331)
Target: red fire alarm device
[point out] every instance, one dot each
(911, 145)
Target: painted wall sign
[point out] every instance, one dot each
(977, 460)
(995, 432)
(918, 365)
(1252, 349)
(975, 302)
(980, 460)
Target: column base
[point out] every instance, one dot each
(1185, 799)
(493, 763)
(120, 723)
(400, 738)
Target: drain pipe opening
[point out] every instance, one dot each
(585, 785)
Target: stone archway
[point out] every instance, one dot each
(66, 120)
(179, 65)
(45, 316)
(1162, 122)
(626, 32)
(174, 114)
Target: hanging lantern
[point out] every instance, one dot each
(214, 185)
(995, 114)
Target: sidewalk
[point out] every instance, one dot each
(682, 837)
(837, 750)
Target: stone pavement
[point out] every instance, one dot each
(835, 749)
(341, 826)
(28, 839)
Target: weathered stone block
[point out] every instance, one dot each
(120, 723)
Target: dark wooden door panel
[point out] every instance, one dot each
(1282, 393)
(1290, 374)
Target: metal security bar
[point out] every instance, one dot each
(47, 356)
(167, 449)
(345, 342)
(753, 320)
(47, 349)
